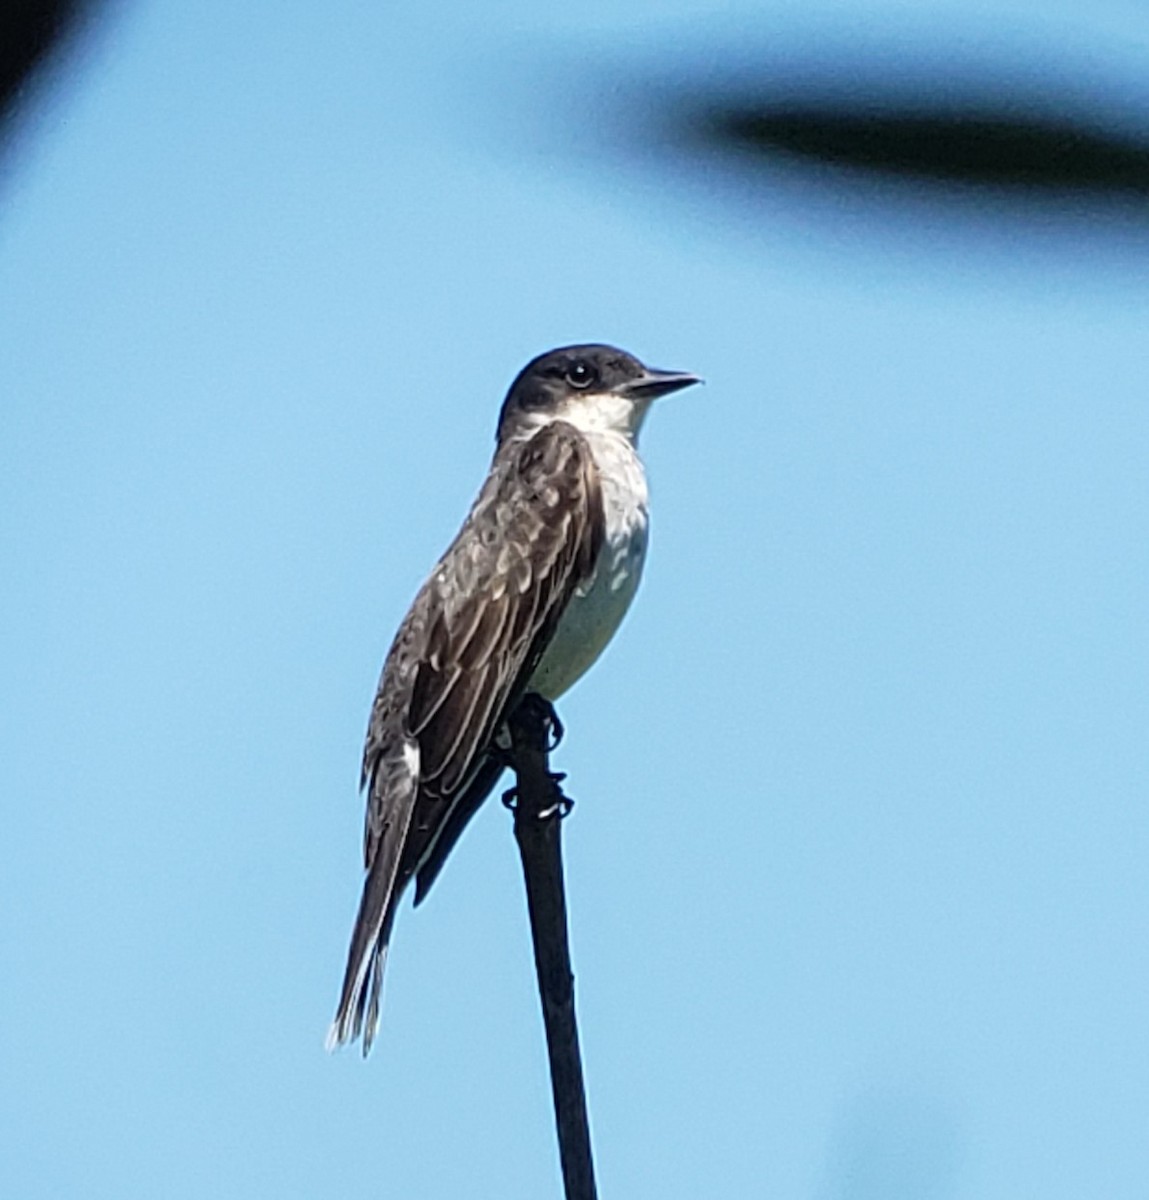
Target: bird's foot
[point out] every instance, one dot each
(560, 806)
(555, 728)
(561, 803)
(539, 708)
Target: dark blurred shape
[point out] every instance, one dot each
(976, 146)
(32, 32)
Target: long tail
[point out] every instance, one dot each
(358, 1011)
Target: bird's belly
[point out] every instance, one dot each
(591, 618)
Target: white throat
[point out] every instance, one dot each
(594, 413)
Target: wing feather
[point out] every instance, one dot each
(498, 598)
(461, 659)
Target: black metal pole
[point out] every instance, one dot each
(539, 808)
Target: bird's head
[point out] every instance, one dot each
(595, 388)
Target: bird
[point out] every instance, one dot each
(524, 600)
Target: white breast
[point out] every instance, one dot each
(593, 615)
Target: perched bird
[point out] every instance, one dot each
(524, 600)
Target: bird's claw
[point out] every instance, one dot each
(541, 709)
(560, 807)
(562, 803)
(556, 730)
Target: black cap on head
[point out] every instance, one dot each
(560, 376)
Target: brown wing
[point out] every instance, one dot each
(461, 658)
(531, 539)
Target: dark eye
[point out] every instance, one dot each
(581, 374)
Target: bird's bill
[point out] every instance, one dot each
(651, 383)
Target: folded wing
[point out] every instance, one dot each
(459, 663)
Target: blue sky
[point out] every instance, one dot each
(857, 870)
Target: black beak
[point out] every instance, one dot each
(651, 383)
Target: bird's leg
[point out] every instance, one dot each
(537, 715)
(539, 708)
